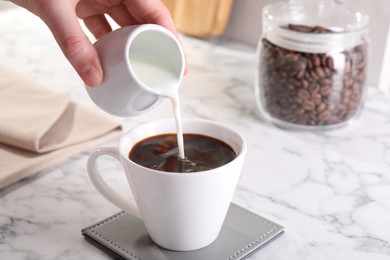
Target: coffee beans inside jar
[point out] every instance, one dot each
(311, 88)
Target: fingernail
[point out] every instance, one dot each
(91, 75)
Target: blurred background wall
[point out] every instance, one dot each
(245, 26)
(240, 21)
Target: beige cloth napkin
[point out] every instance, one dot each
(42, 126)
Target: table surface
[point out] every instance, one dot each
(330, 190)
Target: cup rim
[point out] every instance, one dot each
(239, 154)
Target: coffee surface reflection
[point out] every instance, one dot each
(161, 153)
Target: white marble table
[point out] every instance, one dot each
(331, 191)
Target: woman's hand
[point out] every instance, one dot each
(61, 16)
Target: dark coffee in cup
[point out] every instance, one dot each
(161, 153)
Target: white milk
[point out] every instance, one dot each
(165, 82)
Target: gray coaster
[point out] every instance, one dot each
(124, 236)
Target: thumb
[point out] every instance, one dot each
(82, 55)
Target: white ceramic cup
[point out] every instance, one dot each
(181, 211)
(124, 91)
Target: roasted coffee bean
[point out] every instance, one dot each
(279, 60)
(311, 88)
(314, 87)
(295, 82)
(298, 66)
(325, 90)
(299, 111)
(305, 83)
(303, 94)
(307, 29)
(309, 105)
(316, 98)
(320, 72)
(329, 63)
(309, 64)
(300, 28)
(325, 81)
(316, 60)
(292, 57)
(321, 107)
(324, 115)
(331, 106)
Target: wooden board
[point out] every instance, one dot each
(200, 18)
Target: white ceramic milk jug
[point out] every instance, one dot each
(141, 65)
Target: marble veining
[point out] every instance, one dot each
(330, 190)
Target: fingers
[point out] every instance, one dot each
(97, 25)
(115, 9)
(63, 22)
(151, 11)
(121, 15)
(128, 12)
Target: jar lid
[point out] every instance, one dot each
(323, 13)
(314, 26)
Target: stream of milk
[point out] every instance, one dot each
(165, 82)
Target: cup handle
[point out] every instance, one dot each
(114, 197)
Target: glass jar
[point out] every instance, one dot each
(312, 64)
